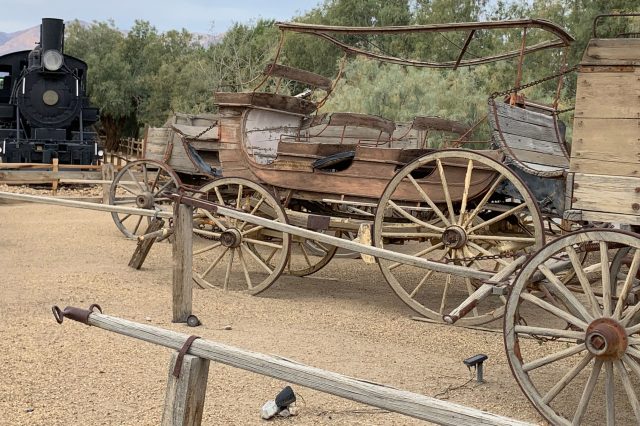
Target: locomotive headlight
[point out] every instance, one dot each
(52, 60)
(101, 153)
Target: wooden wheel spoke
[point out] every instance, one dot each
(127, 216)
(145, 176)
(305, 254)
(633, 330)
(610, 390)
(206, 249)
(445, 189)
(260, 261)
(628, 282)
(633, 352)
(566, 379)
(497, 218)
(629, 389)
(421, 283)
(157, 178)
(123, 186)
(565, 294)
(419, 254)
(414, 219)
(251, 230)
(484, 201)
(557, 356)
(411, 234)
(587, 393)
(262, 243)
(630, 314)
(215, 220)
(584, 281)
(135, 230)
(227, 273)
(239, 198)
(465, 193)
(253, 211)
(426, 198)
(214, 263)
(219, 196)
(606, 279)
(447, 283)
(491, 238)
(161, 189)
(632, 364)
(207, 233)
(554, 310)
(244, 269)
(135, 180)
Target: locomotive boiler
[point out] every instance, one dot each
(44, 109)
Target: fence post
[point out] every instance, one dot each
(107, 174)
(55, 169)
(184, 400)
(182, 259)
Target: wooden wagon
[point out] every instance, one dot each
(480, 230)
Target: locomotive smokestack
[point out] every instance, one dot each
(52, 34)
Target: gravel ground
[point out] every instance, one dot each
(345, 319)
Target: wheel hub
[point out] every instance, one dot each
(145, 200)
(606, 339)
(454, 237)
(231, 238)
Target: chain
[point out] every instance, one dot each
(532, 83)
(506, 255)
(205, 130)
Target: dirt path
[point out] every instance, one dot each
(345, 319)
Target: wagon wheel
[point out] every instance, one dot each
(591, 373)
(457, 226)
(232, 254)
(308, 257)
(140, 184)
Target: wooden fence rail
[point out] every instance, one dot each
(377, 395)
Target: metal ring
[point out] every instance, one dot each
(58, 314)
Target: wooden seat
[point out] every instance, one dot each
(531, 140)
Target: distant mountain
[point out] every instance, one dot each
(19, 40)
(26, 39)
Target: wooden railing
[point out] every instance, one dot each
(185, 394)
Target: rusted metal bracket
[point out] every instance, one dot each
(73, 313)
(181, 353)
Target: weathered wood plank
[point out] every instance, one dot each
(603, 167)
(618, 49)
(608, 95)
(541, 158)
(182, 259)
(529, 144)
(184, 400)
(521, 114)
(33, 176)
(296, 74)
(407, 403)
(609, 194)
(516, 127)
(616, 140)
(609, 217)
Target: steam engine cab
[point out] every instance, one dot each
(44, 110)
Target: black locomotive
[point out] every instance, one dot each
(44, 110)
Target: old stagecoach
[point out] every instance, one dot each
(478, 234)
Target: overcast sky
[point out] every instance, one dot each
(202, 16)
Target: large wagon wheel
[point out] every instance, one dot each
(140, 184)
(588, 371)
(459, 229)
(232, 254)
